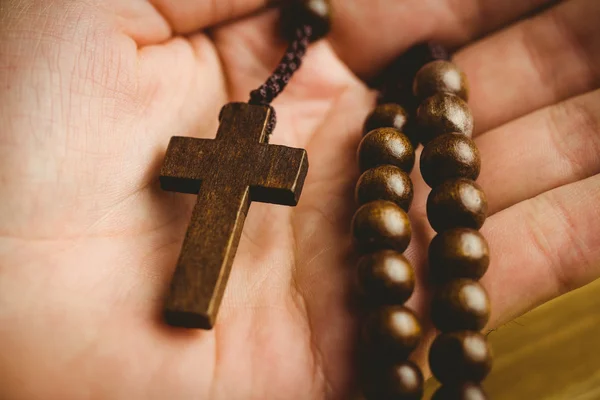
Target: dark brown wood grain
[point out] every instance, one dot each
(441, 76)
(391, 332)
(385, 277)
(443, 113)
(450, 156)
(460, 391)
(458, 253)
(389, 115)
(457, 203)
(399, 380)
(381, 225)
(386, 146)
(227, 174)
(385, 182)
(463, 356)
(461, 304)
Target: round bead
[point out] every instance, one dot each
(316, 13)
(386, 146)
(465, 391)
(386, 277)
(381, 225)
(440, 77)
(457, 203)
(458, 253)
(459, 305)
(450, 156)
(400, 73)
(386, 116)
(385, 182)
(444, 113)
(397, 381)
(392, 332)
(460, 357)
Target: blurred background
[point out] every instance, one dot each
(550, 353)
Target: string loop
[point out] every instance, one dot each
(289, 64)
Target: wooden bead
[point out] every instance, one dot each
(385, 277)
(400, 73)
(450, 156)
(386, 116)
(457, 203)
(459, 305)
(460, 357)
(402, 380)
(392, 333)
(441, 77)
(465, 391)
(386, 146)
(381, 225)
(316, 13)
(444, 113)
(385, 182)
(458, 253)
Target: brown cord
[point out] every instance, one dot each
(279, 79)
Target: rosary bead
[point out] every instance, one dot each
(392, 333)
(460, 304)
(386, 116)
(396, 80)
(450, 156)
(457, 203)
(458, 253)
(381, 225)
(386, 277)
(397, 381)
(385, 182)
(316, 13)
(460, 357)
(465, 391)
(386, 146)
(440, 77)
(444, 113)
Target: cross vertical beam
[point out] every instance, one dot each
(207, 255)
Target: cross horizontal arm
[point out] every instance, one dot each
(275, 174)
(187, 162)
(280, 175)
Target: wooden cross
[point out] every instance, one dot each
(227, 174)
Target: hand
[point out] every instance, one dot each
(91, 92)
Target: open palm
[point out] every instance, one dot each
(91, 92)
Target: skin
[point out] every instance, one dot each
(91, 92)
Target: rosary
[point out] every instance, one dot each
(428, 106)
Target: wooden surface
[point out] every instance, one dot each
(552, 353)
(227, 174)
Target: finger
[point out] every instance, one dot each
(141, 21)
(456, 22)
(544, 150)
(543, 247)
(534, 63)
(184, 87)
(186, 16)
(154, 21)
(171, 101)
(384, 29)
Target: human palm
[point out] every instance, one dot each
(90, 94)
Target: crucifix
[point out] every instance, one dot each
(227, 174)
